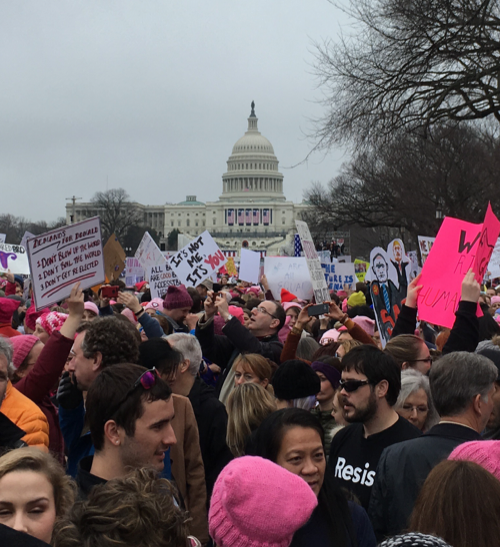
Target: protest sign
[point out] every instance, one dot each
(14, 258)
(160, 279)
(361, 267)
(494, 265)
(231, 267)
(339, 275)
(134, 272)
(25, 238)
(414, 267)
(290, 273)
(197, 260)
(60, 258)
(2, 238)
(321, 292)
(425, 245)
(114, 258)
(325, 257)
(249, 266)
(389, 283)
(459, 246)
(148, 254)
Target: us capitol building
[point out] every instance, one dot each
(252, 211)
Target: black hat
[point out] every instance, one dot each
(493, 355)
(295, 379)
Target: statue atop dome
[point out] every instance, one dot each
(252, 114)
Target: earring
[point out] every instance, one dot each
(117, 442)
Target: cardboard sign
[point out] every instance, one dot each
(389, 272)
(134, 272)
(114, 258)
(361, 268)
(160, 279)
(320, 288)
(14, 258)
(231, 267)
(290, 273)
(148, 254)
(459, 246)
(197, 260)
(337, 275)
(494, 265)
(425, 245)
(60, 258)
(250, 266)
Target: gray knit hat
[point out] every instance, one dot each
(414, 539)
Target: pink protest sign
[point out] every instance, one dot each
(459, 246)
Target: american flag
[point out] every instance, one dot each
(230, 217)
(297, 246)
(265, 217)
(241, 217)
(256, 216)
(248, 217)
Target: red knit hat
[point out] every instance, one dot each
(287, 296)
(22, 345)
(7, 308)
(32, 315)
(52, 321)
(177, 297)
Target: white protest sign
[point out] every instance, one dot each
(148, 254)
(425, 244)
(2, 238)
(197, 260)
(134, 272)
(14, 258)
(415, 269)
(338, 275)
(494, 265)
(290, 273)
(25, 238)
(60, 258)
(160, 279)
(249, 266)
(320, 288)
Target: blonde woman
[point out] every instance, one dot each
(247, 406)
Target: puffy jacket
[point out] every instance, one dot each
(28, 416)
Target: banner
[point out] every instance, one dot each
(425, 245)
(60, 258)
(114, 258)
(148, 254)
(197, 260)
(361, 268)
(459, 246)
(288, 273)
(160, 279)
(339, 275)
(320, 288)
(389, 272)
(14, 258)
(249, 266)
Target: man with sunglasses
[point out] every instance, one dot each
(371, 381)
(260, 337)
(129, 412)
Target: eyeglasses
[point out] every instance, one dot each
(263, 310)
(352, 385)
(426, 360)
(147, 380)
(419, 409)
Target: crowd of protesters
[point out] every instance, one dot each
(227, 415)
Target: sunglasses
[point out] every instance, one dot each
(147, 380)
(352, 385)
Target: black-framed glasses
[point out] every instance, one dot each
(426, 360)
(260, 309)
(147, 380)
(352, 385)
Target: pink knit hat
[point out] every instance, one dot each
(256, 502)
(367, 324)
(52, 321)
(155, 304)
(332, 334)
(177, 297)
(22, 345)
(129, 314)
(90, 306)
(495, 299)
(237, 312)
(484, 453)
(287, 305)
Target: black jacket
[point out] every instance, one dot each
(12, 538)
(10, 434)
(402, 470)
(211, 417)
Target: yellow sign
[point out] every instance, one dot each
(361, 269)
(231, 266)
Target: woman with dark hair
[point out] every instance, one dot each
(293, 439)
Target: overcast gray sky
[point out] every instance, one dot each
(151, 96)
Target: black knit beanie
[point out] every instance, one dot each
(295, 379)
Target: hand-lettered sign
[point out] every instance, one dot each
(148, 254)
(197, 260)
(459, 246)
(60, 258)
(14, 258)
(338, 275)
(290, 273)
(425, 245)
(160, 279)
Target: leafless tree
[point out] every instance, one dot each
(411, 64)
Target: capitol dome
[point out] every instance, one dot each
(252, 167)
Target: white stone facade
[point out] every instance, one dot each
(252, 210)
